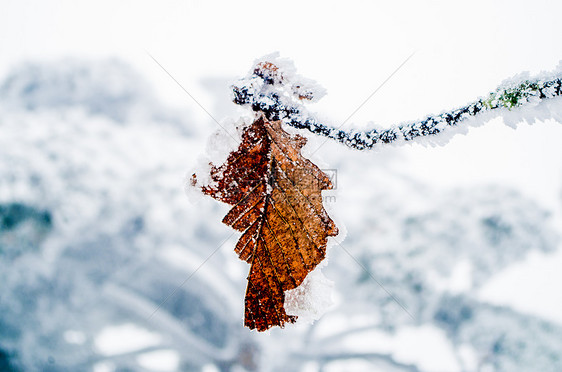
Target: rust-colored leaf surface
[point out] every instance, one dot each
(277, 204)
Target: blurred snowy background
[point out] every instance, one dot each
(96, 230)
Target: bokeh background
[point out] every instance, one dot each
(101, 250)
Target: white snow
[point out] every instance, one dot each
(538, 277)
(310, 300)
(425, 346)
(125, 338)
(104, 367)
(160, 360)
(219, 146)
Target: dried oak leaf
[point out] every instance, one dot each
(277, 203)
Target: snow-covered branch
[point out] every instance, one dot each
(274, 88)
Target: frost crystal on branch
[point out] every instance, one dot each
(274, 88)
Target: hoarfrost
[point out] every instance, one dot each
(310, 300)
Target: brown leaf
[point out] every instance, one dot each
(277, 203)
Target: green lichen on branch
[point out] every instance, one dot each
(513, 96)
